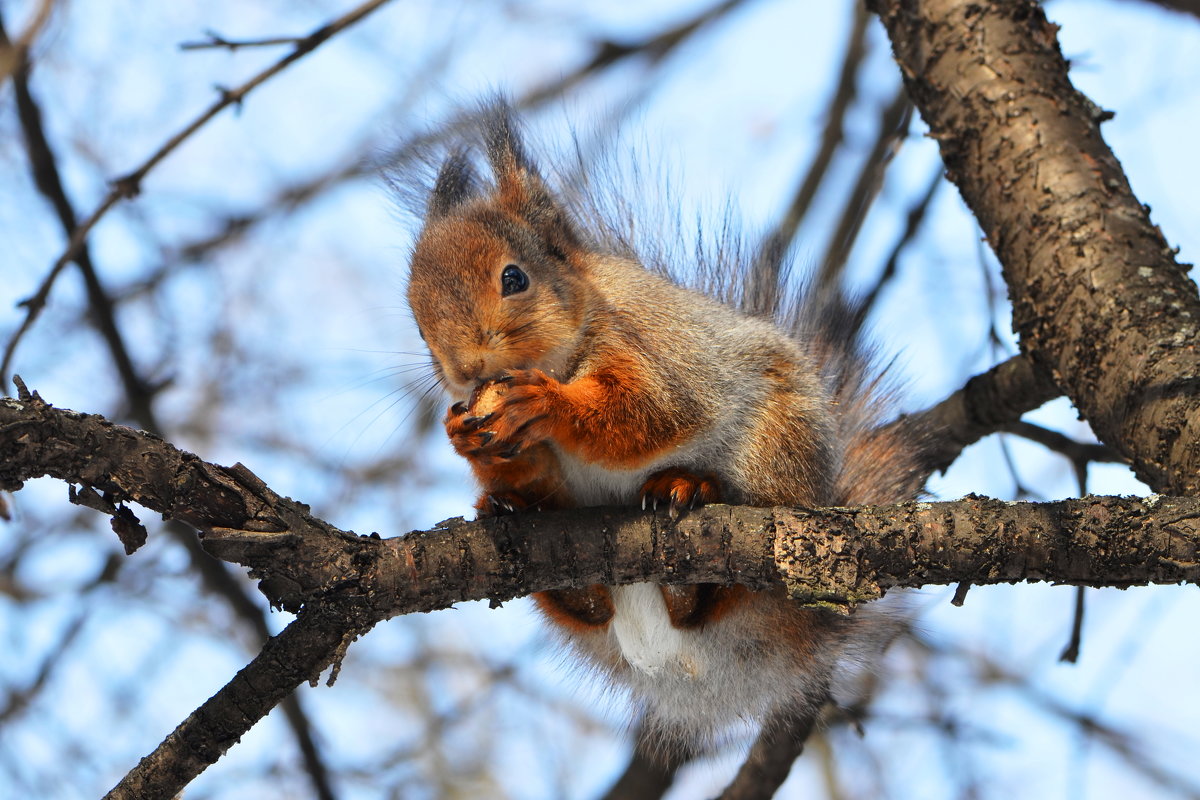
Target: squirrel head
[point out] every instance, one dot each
(497, 281)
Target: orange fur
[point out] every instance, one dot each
(577, 610)
(580, 417)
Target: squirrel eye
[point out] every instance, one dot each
(513, 280)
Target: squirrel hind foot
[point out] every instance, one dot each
(681, 488)
(500, 504)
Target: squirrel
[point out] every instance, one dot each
(581, 377)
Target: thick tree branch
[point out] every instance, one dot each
(1078, 249)
(221, 580)
(342, 584)
(833, 556)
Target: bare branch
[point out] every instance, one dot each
(343, 584)
(986, 404)
(44, 166)
(216, 40)
(1182, 6)
(13, 54)
(912, 225)
(894, 120)
(831, 136)
(831, 557)
(316, 639)
(770, 759)
(654, 48)
(647, 776)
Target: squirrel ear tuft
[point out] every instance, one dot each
(456, 184)
(502, 141)
(519, 186)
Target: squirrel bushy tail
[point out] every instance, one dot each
(881, 458)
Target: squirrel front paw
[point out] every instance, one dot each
(502, 418)
(680, 488)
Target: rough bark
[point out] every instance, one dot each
(1098, 298)
(833, 556)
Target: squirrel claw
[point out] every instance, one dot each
(680, 489)
(496, 505)
(458, 408)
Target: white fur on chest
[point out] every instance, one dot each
(592, 484)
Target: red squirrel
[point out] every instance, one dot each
(582, 378)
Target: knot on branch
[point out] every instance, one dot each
(823, 564)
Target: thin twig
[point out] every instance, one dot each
(654, 48)
(18, 700)
(44, 166)
(1182, 6)
(912, 225)
(217, 577)
(13, 54)
(1080, 454)
(216, 40)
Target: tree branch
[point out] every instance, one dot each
(1078, 249)
(987, 403)
(1182, 6)
(894, 120)
(834, 557)
(831, 136)
(343, 584)
(771, 756)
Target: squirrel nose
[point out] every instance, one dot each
(470, 371)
